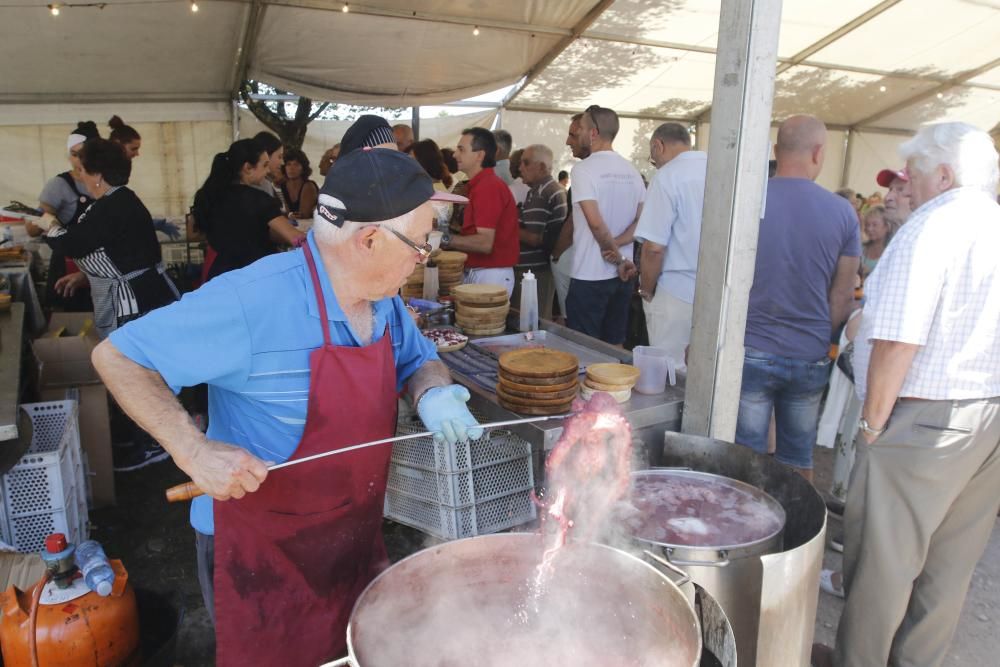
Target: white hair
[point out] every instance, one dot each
(541, 153)
(329, 234)
(966, 149)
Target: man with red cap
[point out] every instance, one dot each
(897, 200)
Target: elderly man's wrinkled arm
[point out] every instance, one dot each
(220, 470)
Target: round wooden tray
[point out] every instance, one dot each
(480, 293)
(530, 402)
(535, 389)
(449, 257)
(586, 393)
(471, 310)
(536, 410)
(539, 363)
(474, 331)
(516, 395)
(541, 382)
(491, 322)
(601, 386)
(613, 374)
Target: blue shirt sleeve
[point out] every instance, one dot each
(204, 337)
(412, 348)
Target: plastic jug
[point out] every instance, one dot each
(655, 365)
(529, 302)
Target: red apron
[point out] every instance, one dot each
(292, 558)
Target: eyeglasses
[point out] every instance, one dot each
(423, 249)
(593, 119)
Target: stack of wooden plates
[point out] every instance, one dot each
(481, 310)
(414, 286)
(451, 269)
(615, 379)
(537, 381)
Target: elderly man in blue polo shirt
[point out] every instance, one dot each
(303, 352)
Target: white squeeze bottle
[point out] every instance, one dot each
(529, 302)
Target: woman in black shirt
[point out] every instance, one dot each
(242, 223)
(114, 242)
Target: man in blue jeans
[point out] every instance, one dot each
(807, 258)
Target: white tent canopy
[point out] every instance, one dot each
(874, 71)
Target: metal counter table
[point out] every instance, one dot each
(649, 415)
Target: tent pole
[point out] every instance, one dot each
(415, 122)
(845, 176)
(737, 176)
(235, 120)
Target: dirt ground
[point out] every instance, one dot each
(156, 543)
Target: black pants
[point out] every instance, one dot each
(599, 308)
(205, 548)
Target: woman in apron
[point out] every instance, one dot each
(115, 245)
(64, 198)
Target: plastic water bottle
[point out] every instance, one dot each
(96, 569)
(529, 302)
(430, 282)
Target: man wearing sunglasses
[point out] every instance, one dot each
(607, 199)
(304, 352)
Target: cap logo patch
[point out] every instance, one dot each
(331, 215)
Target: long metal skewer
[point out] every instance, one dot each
(189, 490)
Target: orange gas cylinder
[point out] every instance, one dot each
(75, 627)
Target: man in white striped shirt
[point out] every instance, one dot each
(926, 487)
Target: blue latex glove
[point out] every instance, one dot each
(170, 229)
(444, 411)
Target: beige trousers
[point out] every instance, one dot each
(668, 323)
(921, 506)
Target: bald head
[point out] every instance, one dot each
(800, 147)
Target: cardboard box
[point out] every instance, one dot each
(20, 570)
(64, 366)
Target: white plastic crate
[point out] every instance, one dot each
(452, 523)
(45, 491)
(495, 446)
(466, 487)
(473, 488)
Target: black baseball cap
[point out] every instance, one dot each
(368, 130)
(375, 184)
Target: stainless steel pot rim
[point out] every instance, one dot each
(351, 653)
(753, 490)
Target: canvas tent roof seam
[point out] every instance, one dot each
(566, 23)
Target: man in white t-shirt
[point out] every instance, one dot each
(607, 200)
(670, 228)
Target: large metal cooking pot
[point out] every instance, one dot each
(770, 599)
(472, 602)
(756, 524)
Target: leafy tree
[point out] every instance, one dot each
(290, 119)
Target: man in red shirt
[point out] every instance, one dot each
(489, 225)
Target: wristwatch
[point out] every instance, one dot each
(868, 430)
